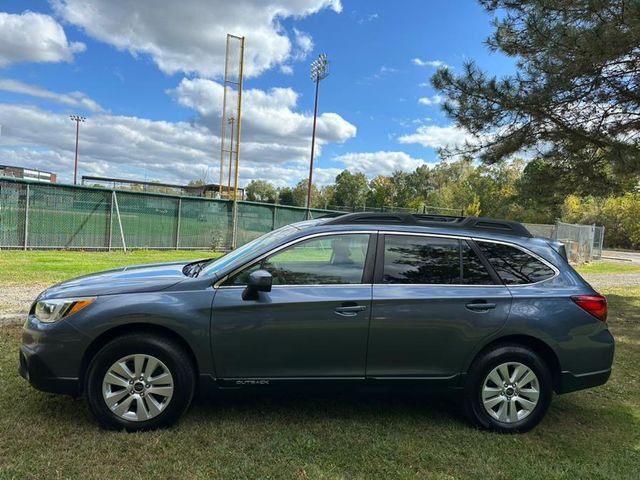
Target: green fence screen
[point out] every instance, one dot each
(41, 215)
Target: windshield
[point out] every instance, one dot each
(271, 238)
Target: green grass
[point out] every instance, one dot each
(51, 266)
(609, 267)
(588, 434)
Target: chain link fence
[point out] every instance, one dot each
(583, 243)
(54, 216)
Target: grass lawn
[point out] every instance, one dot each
(51, 266)
(609, 267)
(589, 434)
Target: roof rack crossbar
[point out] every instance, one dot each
(485, 224)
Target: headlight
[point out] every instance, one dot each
(49, 311)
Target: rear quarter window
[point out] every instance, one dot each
(515, 266)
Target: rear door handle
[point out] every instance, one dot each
(480, 306)
(350, 310)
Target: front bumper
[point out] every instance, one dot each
(33, 368)
(51, 356)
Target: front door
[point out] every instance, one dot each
(434, 300)
(313, 323)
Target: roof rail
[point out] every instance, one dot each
(484, 224)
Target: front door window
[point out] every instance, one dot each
(325, 260)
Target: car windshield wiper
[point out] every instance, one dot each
(193, 269)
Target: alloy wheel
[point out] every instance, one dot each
(137, 387)
(510, 392)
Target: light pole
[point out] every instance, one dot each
(231, 121)
(319, 71)
(77, 119)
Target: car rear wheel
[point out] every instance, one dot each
(509, 389)
(140, 382)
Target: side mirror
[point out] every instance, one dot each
(259, 281)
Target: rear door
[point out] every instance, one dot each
(313, 323)
(434, 299)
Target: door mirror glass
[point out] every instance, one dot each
(259, 281)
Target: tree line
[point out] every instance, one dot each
(534, 191)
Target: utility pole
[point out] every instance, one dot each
(319, 71)
(77, 119)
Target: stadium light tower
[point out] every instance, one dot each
(319, 71)
(77, 119)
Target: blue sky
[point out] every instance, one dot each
(148, 79)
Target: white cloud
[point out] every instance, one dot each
(34, 37)
(368, 18)
(379, 163)
(275, 140)
(267, 116)
(434, 136)
(383, 71)
(286, 69)
(433, 100)
(429, 63)
(303, 43)
(72, 99)
(189, 35)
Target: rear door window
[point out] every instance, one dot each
(515, 266)
(416, 259)
(431, 260)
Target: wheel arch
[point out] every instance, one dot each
(128, 328)
(540, 347)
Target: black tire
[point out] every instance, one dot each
(480, 369)
(168, 352)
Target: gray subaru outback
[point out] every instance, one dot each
(473, 305)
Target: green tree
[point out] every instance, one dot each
(326, 197)
(380, 192)
(575, 91)
(285, 196)
(261, 191)
(300, 194)
(351, 189)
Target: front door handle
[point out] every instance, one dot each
(350, 310)
(480, 306)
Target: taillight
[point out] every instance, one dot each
(596, 305)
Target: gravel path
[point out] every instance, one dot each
(16, 300)
(607, 280)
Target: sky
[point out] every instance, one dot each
(148, 77)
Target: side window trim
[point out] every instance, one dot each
(370, 260)
(372, 233)
(476, 249)
(556, 271)
(471, 242)
(379, 262)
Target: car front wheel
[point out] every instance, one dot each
(140, 382)
(509, 389)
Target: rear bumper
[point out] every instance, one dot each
(35, 371)
(570, 382)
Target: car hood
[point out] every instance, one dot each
(131, 279)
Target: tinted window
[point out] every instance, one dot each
(334, 259)
(473, 270)
(515, 266)
(430, 260)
